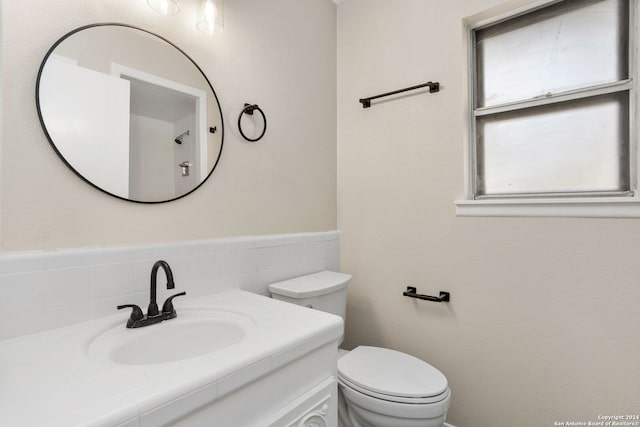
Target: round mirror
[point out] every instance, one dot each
(129, 112)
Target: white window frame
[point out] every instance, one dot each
(604, 207)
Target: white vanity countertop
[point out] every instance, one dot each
(49, 379)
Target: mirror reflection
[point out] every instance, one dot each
(129, 112)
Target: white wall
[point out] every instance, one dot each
(279, 54)
(152, 145)
(187, 151)
(544, 324)
(99, 105)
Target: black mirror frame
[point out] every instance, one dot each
(219, 128)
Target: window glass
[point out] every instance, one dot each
(569, 45)
(569, 147)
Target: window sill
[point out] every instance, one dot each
(618, 207)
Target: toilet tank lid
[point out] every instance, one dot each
(311, 285)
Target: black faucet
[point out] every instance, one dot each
(137, 318)
(152, 310)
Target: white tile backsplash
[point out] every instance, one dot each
(61, 288)
(110, 280)
(51, 289)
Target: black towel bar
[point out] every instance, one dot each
(412, 293)
(433, 87)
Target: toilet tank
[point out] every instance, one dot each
(324, 291)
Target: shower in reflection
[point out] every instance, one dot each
(182, 135)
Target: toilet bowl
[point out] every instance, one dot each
(380, 387)
(377, 387)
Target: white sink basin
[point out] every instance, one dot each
(220, 359)
(193, 333)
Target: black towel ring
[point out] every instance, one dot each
(249, 109)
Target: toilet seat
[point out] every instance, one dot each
(392, 376)
(394, 399)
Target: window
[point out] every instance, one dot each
(551, 106)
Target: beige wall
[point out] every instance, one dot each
(544, 322)
(279, 54)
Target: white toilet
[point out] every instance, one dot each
(378, 387)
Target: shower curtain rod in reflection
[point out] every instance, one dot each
(433, 87)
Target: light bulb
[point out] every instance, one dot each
(211, 18)
(164, 7)
(210, 10)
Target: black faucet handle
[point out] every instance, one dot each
(136, 313)
(167, 307)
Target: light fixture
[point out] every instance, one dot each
(164, 7)
(211, 17)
